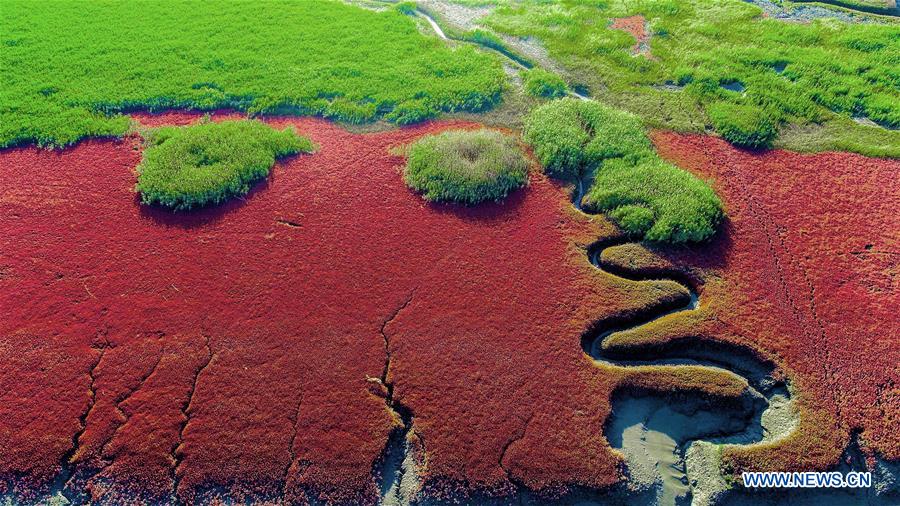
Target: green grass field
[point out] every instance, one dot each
(70, 68)
(730, 69)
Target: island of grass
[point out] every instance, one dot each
(466, 166)
(647, 197)
(68, 75)
(209, 163)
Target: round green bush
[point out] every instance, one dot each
(542, 83)
(743, 125)
(208, 163)
(466, 166)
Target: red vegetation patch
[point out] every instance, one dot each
(247, 350)
(637, 26)
(238, 350)
(807, 271)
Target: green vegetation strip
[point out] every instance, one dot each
(720, 64)
(647, 197)
(70, 68)
(466, 166)
(208, 163)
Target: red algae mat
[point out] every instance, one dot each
(248, 350)
(807, 270)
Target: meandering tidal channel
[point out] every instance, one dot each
(668, 442)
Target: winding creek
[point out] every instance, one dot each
(669, 444)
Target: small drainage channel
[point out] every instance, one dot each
(579, 92)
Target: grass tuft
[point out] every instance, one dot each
(572, 137)
(742, 125)
(466, 166)
(655, 200)
(208, 163)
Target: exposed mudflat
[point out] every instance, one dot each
(799, 13)
(653, 433)
(464, 17)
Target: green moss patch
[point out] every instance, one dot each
(208, 163)
(466, 166)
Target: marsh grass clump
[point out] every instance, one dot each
(655, 200)
(542, 83)
(647, 197)
(208, 163)
(572, 137)
(466, 166)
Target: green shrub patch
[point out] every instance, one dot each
(655, 200)
(744, 126)
(571, 136)
(208, 163)
(466, 166)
